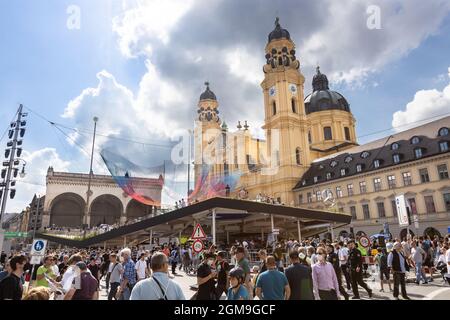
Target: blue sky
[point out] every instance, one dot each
(158, 62)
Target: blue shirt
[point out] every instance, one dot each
(148, 289)
(272, 283)
(129, 272)
(241, 293)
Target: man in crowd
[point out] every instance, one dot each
(418, 257)
(342, 252)
(94, 269)
(399, 266)
(88, 286)
(45, 273)
(158, 286)
(272, 284)
(205, 279)
(355, 261)
(129, 274)
(333, 258)
(141, 267)
(115, 271)
(243, 263)
(325, 284)
(63, 265)
(300, 278)
(11, 286)
(381, 259)
(222, 268)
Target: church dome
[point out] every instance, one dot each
(279, 32)
(322, 98)
(208, 94)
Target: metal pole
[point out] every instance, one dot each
(151, 238)
(86, 212)
(189, 166)
(8, 174)
(36, 216)
(299, 231)
(214, 226)
(332, 232)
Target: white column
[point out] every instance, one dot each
(271, 222)
(124, 241)
(151, 237)
(214, 226)
(299, 231)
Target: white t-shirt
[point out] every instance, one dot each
(343, 256)
(140, 267)
(55, 270)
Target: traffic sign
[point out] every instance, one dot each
(35, 259)
(197, 246)
(10, 235)
(198, 232)
(402, 212)
(364, 241)
(38, 247)
(276, 231)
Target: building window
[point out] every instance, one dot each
(353, 212)
(327, 133)
(274, 108)
(366, 211)
(395, 146)
(424, 177)
(443, 132)
(396, 158)
(297, 156)
(309, 137)
(358, 168)
(362, 187)
(225, 169)
(377, 184)
(412, 205)
(381, 211)
(319, 195)
(418, 153)
(277, 157)
(316, 179)
(407, 178)
(236, 164)
(365, 154)
(429, 204)
(350, 189)
(328, 175)
(347, 133)
(415, 140)
(294, 108)
(343, 171)
(309, 197)
(333, 163)
(447, 201)
(339, 192)
(443, 146)
(300, 198)
(348, 159)
(391, 181)
(442, 171)
(376, 163)
(394, 208)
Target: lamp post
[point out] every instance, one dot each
(12, 151)
(88, 193)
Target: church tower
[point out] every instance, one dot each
(285, 116)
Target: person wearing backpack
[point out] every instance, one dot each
(158, 286)
(382, 260)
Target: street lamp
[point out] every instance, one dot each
(88, 193)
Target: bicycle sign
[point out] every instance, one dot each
(38, 247)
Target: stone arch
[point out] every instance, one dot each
(107, 209)
(136, 209)
(67, 210)
(430, 231)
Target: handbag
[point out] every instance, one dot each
(160, 287)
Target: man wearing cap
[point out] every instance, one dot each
(88, 288)
(399, 266)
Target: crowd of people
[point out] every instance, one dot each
(290, 270)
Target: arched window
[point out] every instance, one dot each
(274, 108)
(294, 107)
(297, 156)
(277, 157)
(327, 133)
(309, 137)
(347, 133)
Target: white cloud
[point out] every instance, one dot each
(244, 65)
(34, 182)
(427, 105)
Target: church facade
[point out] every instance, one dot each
(311, 151)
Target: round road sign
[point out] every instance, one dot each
(364, 241)
(197, 246)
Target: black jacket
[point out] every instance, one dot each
(355, 258)
(396, 262)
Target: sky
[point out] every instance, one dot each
(140, 66)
